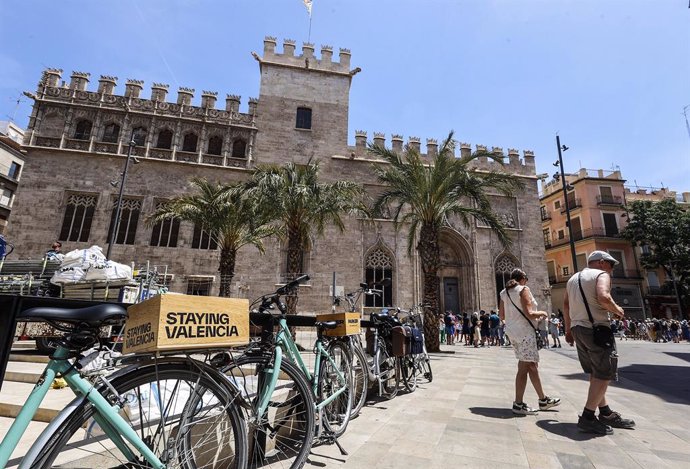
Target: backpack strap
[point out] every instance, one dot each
(584, 298)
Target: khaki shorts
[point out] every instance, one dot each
(600, 362)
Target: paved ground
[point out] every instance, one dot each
(463, 418)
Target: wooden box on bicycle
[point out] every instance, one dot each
(348, 323)
(180, 322)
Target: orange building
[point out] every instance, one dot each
(596, 199)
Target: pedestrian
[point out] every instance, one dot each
(554, 326)
(449, 320)
(587, 304)
(55, 252)
(442, 329)
(475, 329)
(485, 327)
(494, 323)
(518, 309)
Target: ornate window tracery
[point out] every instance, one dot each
(76, 224)
(379, 265)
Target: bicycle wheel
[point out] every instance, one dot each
(408, 372)
(424, 365)
(336, 414)
(360, 379)
(388, 372)
(183, 410)
(282, 436)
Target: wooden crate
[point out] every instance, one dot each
(348, 323)
(180, 322)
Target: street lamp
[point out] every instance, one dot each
(118, 210)
(566, 186)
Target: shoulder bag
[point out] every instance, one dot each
(537, 335)
(603, 335)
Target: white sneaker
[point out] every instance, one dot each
(523, 409)
(548, 402)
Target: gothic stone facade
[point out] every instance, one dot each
(77, 144)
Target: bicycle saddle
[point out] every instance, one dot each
(326, 324)
(95, 316)
(382, 316)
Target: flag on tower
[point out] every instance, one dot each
(307, 3)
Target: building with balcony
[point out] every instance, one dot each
(11, 163)
(596, 200)
(657, 288)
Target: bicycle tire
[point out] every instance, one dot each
(388, 373)
(290, 433)
(336, 414)
(150, 394)
(425, 368)
(360, 385)
(408, 372)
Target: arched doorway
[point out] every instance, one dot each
(456, 274)
(504, 265)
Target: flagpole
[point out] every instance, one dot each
(310, 11)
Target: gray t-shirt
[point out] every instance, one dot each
(578, 312)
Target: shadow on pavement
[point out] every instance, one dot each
(682, 356)
(672, 383)
(566, 429)
(494, 412)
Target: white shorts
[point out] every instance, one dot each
(526, 348)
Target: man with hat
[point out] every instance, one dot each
(588, 294)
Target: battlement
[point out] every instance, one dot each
(513, 162)
(50, 87)
(307, 58)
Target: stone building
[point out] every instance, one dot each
(11, 162)
(77, 143)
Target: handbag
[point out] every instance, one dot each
(537, 335)
(603, 335)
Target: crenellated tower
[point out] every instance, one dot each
(303, 102)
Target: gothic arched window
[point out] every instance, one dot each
(164, 141)
(239, 148)
(189, 142)
(111, 133)
(215, 145)
(503, 267)
(379, 265)
(83, 130)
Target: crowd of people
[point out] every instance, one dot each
(655, 330)
(482, 329)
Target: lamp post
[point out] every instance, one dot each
(565, 199)
(118, 209)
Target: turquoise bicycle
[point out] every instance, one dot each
(156, 412)
(288, 399)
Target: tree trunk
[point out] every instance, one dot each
(227, 270)
(430, 260)
(295, 252)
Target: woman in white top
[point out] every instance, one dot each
(518, 309)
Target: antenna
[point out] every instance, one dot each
(18, 101)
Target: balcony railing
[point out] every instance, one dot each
(583, 234)
(609, 200)
(545, 215)
(663, 290)
(572, 204)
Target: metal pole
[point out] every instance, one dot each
(567, 205)
(118, 210)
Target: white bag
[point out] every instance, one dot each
(70, 274)
(109, 271)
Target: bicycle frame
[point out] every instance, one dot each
(286, 346)
(106, 415)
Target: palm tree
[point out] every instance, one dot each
(300, 206)
(425, 194)
(226, 213)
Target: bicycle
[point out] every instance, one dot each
(170, 412)
(417, 364)
(286, 397)
(384, 367)
(360, 364)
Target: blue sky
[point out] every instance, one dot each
(611, 77)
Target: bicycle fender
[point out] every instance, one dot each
(29, 460)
